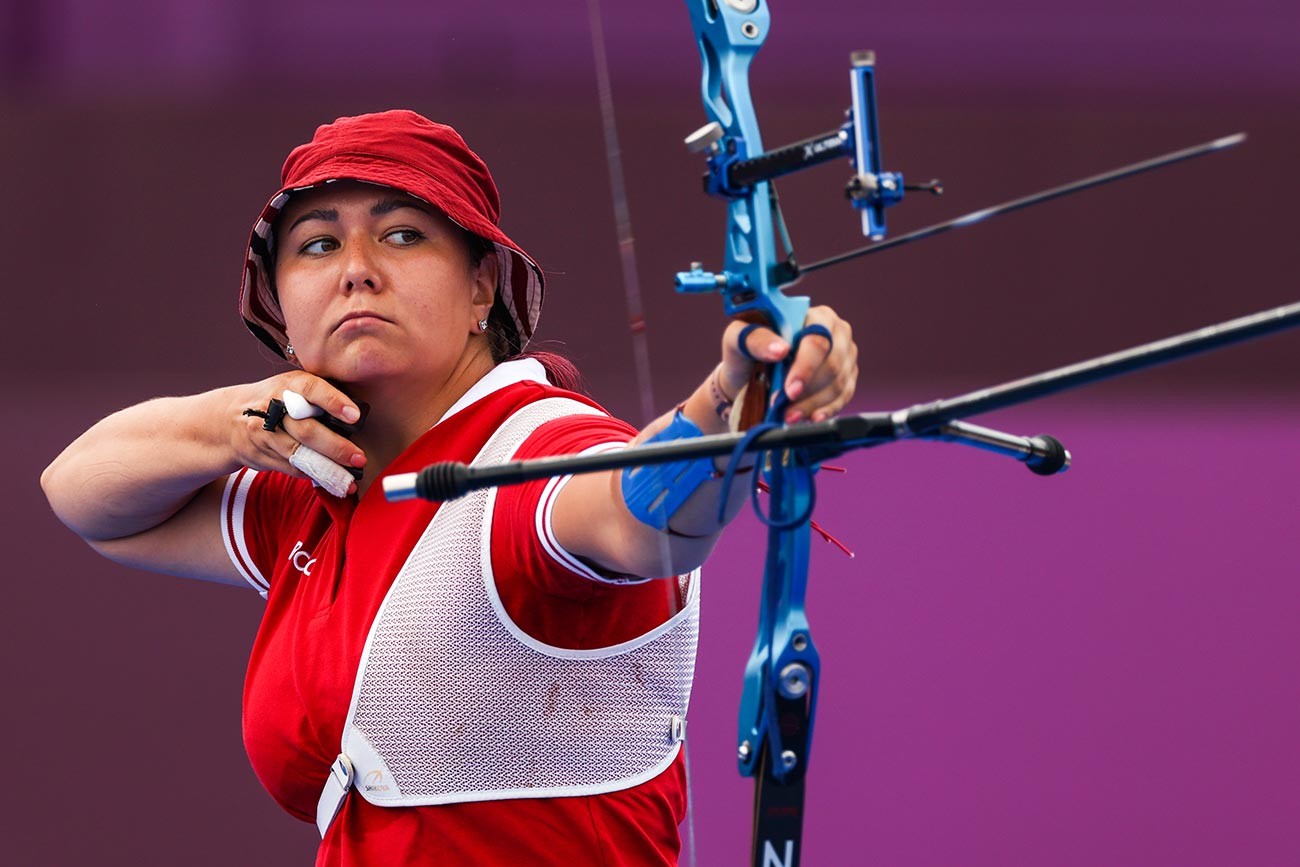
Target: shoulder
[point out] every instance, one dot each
(543, 420)
(257, 509)
(578, 424)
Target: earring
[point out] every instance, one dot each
(482, 325)
(288, 349)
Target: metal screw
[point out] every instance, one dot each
(705, 138)
(794, 680)
(744, 752)
(743, 5)
(800, 642)
(863, 58)
(697, 266)
(789, 760)
(749, 29)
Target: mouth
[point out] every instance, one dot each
(360, 316)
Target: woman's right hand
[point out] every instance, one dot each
(145, 485)
(253, 446)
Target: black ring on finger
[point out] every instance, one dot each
(743, 337)
(819, 330)
(274, 415)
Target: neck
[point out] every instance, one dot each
(403, 409)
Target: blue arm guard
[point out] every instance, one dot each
(654, 492)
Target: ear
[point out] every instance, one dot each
(485, 284)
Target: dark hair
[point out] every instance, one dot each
(503, 334)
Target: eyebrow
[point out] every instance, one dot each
(387, 206)
(327, 214)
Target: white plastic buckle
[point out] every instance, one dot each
(342, 771)
(334, 793)
(678, 733)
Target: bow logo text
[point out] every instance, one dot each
(772, 859)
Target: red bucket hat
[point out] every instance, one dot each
(408, 152)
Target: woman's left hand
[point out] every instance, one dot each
(822, 376)
(821, 380)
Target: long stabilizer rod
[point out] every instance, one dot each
(924, 418)
(449, 480)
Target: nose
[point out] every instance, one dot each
(360, 271)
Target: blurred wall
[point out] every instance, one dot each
(142, 139)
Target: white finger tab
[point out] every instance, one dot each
(321, 470)
(298, 407)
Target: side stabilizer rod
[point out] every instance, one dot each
(983, 214)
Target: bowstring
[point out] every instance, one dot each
(622, 217)
(635, 309)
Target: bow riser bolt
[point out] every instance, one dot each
(794, 680)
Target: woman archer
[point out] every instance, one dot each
(498, 680)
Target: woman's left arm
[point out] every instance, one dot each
(591, 518)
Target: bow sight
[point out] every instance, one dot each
(739, 169)
(871, 190)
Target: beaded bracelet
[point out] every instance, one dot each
(721, 403)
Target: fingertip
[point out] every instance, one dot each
(350, 414)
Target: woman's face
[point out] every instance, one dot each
(374, 283)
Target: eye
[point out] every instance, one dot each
(319, 246)
(405, 237)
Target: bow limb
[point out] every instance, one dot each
(781, 677)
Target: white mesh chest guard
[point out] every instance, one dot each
(453, 702)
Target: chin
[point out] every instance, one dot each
(360, 365)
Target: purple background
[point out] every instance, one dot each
(1097, 668)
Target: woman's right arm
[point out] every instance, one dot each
(143, 486)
